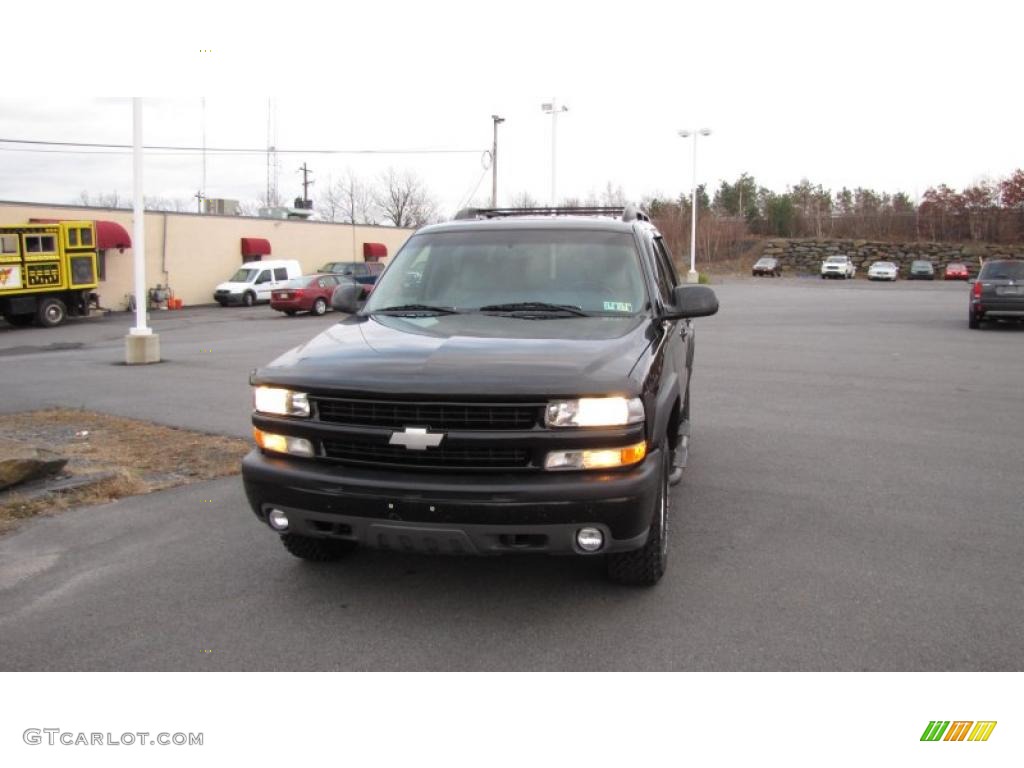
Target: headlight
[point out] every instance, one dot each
(280, 402)
(594, 412)
(602, 458)
(296, 446)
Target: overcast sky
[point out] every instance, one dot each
(885, 95)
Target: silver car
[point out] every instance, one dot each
(883, 270)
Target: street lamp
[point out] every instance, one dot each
(553, 108)
(494, 162)
(692, 276)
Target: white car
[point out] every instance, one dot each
(838, 266)
(883, 270)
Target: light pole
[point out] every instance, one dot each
(553, 108)
(494, 162)
(692, 276)
(141, 344)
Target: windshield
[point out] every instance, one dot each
(885, 264)
(765, 262)
(243, 276)
(598, 272)
(836, 260)
(1002, 270)
(921, 264)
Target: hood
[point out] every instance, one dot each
(469, 354)
(230, 286)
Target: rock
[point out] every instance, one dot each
(20, 462)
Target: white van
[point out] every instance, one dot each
(255, 280)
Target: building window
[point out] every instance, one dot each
(86, 235)
(72, 238)
(8, 243)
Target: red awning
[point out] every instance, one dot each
(110, 234)
(374, 251)
(255, 246)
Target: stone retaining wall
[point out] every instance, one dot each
(806, 255)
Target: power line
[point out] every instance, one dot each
(238, 150)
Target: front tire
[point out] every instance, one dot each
(249, 298)
(644, 567)
(316, 550)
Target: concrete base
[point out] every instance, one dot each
(140, 350)
(692, 277)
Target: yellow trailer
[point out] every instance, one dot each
(47, 271)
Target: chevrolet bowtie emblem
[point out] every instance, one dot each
(416, 438)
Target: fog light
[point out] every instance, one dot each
(589, 539)
(278, 520)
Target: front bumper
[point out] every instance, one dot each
(445, 512)
(227, 297)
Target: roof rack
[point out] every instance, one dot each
(626, 213)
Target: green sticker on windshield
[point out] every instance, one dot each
(618, 306)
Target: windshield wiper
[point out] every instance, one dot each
(418, 308)
(534, 306)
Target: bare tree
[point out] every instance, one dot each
(404, 200)
(249, 207)
(110, 200)
(613, 195)
(355, 200)
(524, 200)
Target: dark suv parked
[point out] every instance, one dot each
(998, 293)
(528, 391)
(363, 272)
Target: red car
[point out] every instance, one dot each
(309, 293)
(957, 271)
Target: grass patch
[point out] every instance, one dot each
(127, 456)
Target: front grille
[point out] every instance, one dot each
(363, 452)
(440, 416)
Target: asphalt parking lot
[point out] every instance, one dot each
(854, 501)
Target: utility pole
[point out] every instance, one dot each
(305, 182)
(494, 162)
(199, 196)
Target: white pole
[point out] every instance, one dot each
(139, 223)
(554, 163)
(692, 277)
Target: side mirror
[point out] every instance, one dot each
(692, 301)
(346, 297)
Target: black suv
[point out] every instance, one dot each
(519, 381)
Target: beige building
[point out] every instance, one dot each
(191, 253)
